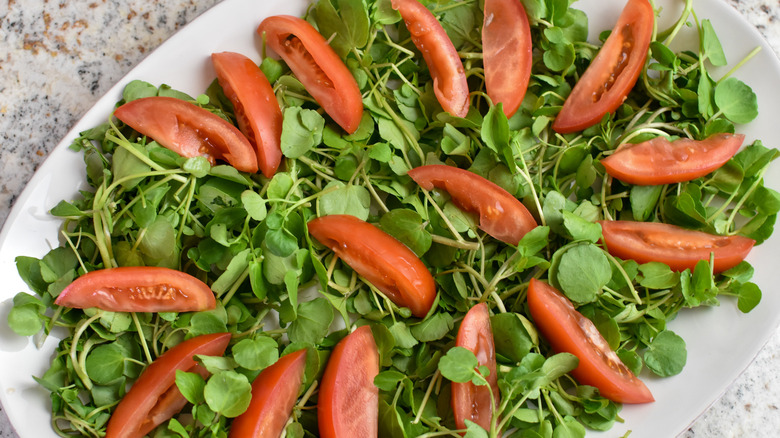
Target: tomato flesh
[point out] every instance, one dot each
(379, 258)
(317, 66)
(348, 401)
(659, 161)
(257, 111)
(507, 53)
(154, 397)
(469, 401)
(679, 248)
(449, 78)
(609, 78)
(501, 215)
(569, 331)
(138, 289)
(274, 393)
(189, 130)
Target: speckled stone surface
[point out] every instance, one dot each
(58, 57)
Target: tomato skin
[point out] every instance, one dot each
(274, 393)
(501, 215)
(449, 78)
(677, 247)
(138, 289)
(659, 161)
(188, 130)
(569, 331)
(257, 110)
(378, 257)
(608, 80)
(149, 401)
(507, 53)
(317, 66)
(348, 401)
(469, 401)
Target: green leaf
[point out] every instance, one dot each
(388, 380)
(656, 275)
(433, 328)
(256, 354)
(191, 385)
(582, 272)
(106, 363)
(313, 321)
(710, 44)
(474, 430)
(408, 227)
(666, 355)
(403, 335)
(495, 129)
(348, 199)
(228, 393)
(749, 297)
(511, 337)
(301, 131)
(254, 204)
(458, 364)
(736, 100)
(580, 228)
(644, 200)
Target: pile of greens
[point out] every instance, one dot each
(278, 290)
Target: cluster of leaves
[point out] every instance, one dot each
(279, 291)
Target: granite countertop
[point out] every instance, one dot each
(58, 58)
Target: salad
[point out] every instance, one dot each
(245, 235)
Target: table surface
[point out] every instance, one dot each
(58, 58)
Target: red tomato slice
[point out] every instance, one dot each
(500, 214)
(138, 289)
(378, 257)
(570, 332)
(469, 401)
(274, 393)
(677, 247)
(153, 397)
(609, 78)
(507, 52)
(659, 161)
(317, 66)
(348, 402)
(189, 130)
(257, 111)
(443, 61)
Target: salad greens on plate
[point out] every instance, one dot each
(279, 289)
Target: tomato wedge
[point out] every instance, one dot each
(348, 402)
(443, 61)
(317, 66)
(677, 247)
(138, 289)
(568, 331)
(274, 393)
(507, 52)
(609, 78)
(501, 215)
(188, 130)
(254, 102)
(659, 161)
(469, 401)
(378, 257)
(154, 397)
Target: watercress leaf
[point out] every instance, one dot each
(582, 272)
(106, 363)
(474, 430)
(234, 272)
(534, 241)
(458, 364)
(197, 166)
(254, 204)
(137, 89)
(559, 57)
(313, 321)
(388, 380)
(380, 152)
(631, 360)
(301, 131)
(408, 227)
(736, 100)
(433, 328)
(256, 354)
(512, 340)
(281, 242)
(710, 44)
(343, 198)
(495, 129)
(205, 323)
(749, 297)
(403, 335)
(581, 229)
(191, 386)
(228, 393)
(666, 355)
(644, 200)
(656, 275)
(569, 428)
